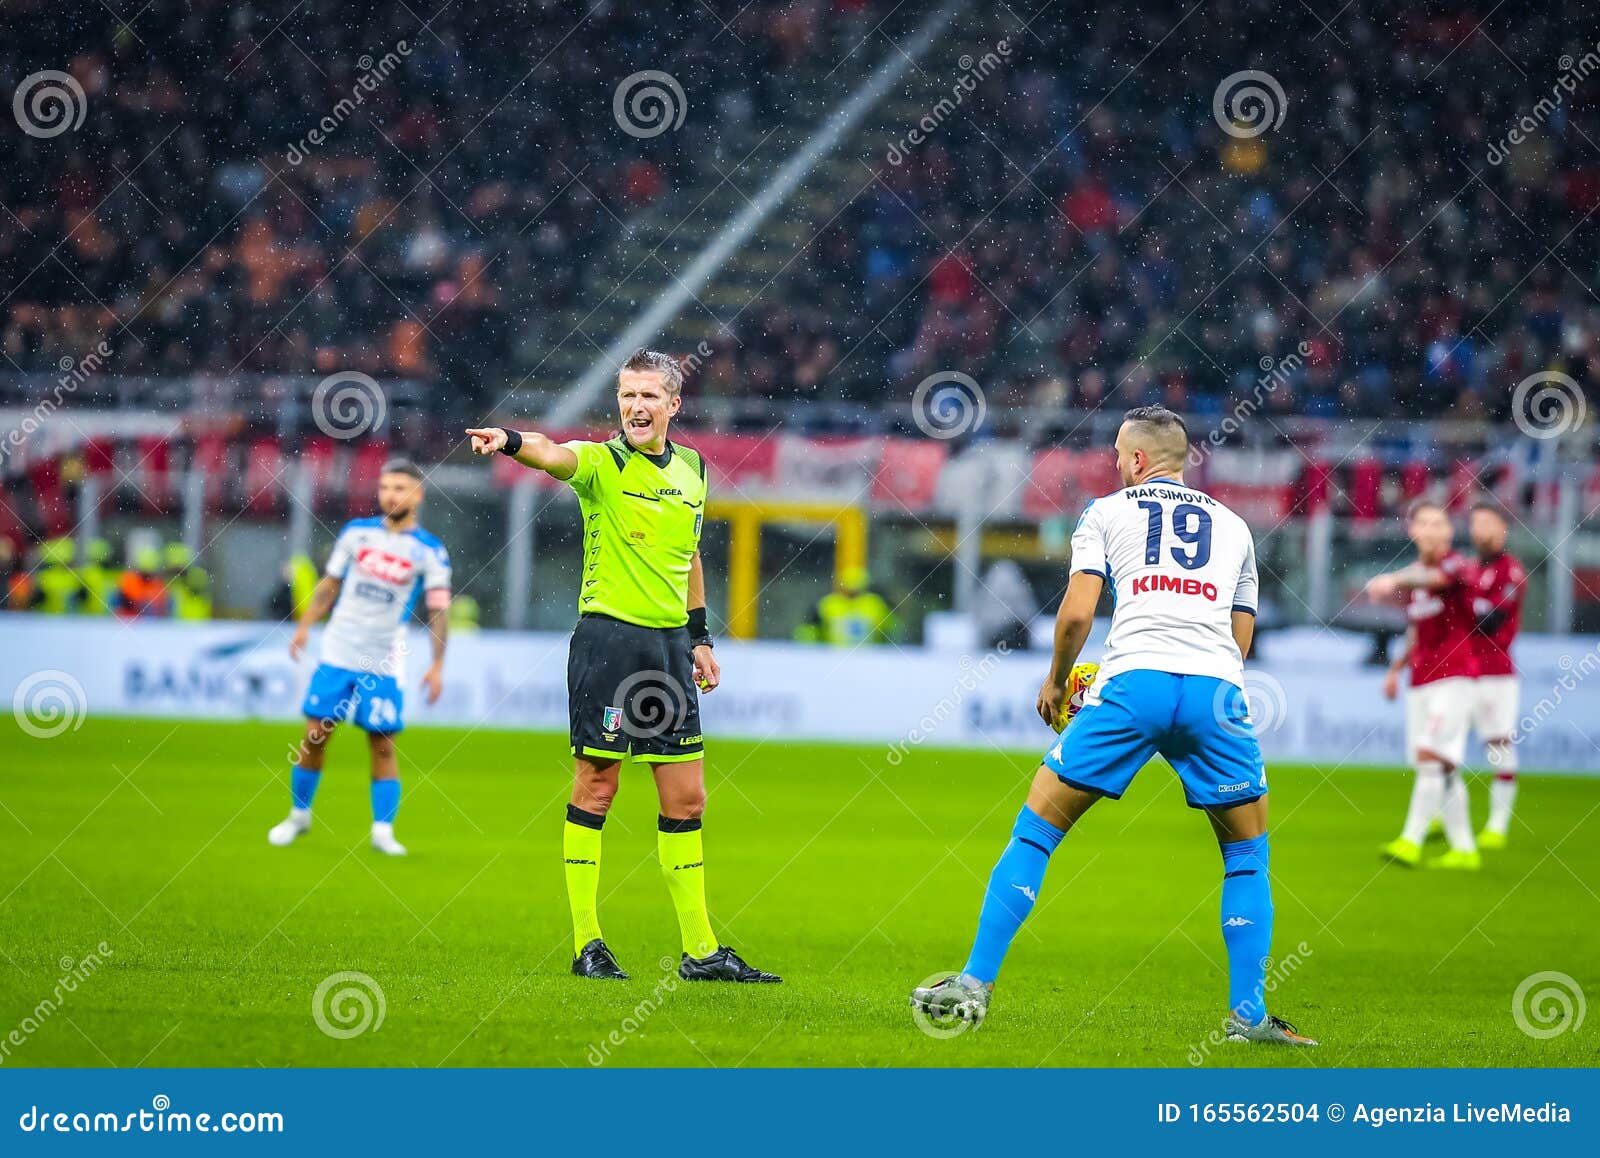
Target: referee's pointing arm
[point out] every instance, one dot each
(529, 448)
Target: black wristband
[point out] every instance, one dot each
(513, 442)
(699, 633)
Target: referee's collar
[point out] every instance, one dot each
(660, 460)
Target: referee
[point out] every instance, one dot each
(640, 653)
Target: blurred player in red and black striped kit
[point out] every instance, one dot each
(1498, 590)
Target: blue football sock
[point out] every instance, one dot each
(1247, 925)
(1013, 887)
(303, 785)
(385, 800)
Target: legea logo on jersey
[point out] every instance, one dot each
(1147, 583)
(382, 565)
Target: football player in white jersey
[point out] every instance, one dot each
(1182, 571)
(377, 571)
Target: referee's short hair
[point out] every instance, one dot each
(655, 362)
(402, 466)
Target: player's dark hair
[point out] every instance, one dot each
(1419, 505)
(1494, 508)
(655, 362)
(1161, 418)
(402, 466)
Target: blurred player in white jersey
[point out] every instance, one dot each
(1182, 571)
(378, 569)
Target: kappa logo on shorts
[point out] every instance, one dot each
(611, 720)
(1239, 787)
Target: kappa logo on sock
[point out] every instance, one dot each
(1025, 891)
(1236, 922)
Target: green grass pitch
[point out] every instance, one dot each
(853, 878)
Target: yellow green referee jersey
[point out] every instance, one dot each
(642, 516)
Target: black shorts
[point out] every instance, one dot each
(631, 690)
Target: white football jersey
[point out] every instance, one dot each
(383, 573)
(1179, 564)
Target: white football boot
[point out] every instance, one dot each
(383, 839)
(287, 831)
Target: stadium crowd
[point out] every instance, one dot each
(192, 227)
(159, 582)
(1071, 239)
(1081, 230)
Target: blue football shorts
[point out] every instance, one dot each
(373, 702)
(1199, 724)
